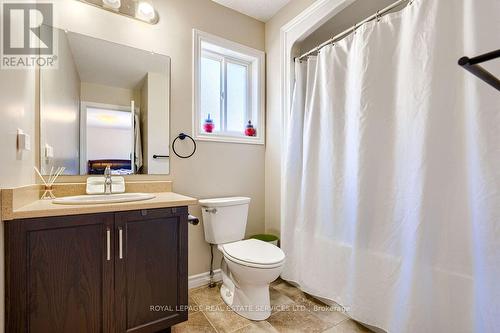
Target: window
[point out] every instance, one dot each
(228, 91)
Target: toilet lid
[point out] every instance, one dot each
(254, 251)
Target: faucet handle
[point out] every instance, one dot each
(108, 181)
(107, 171)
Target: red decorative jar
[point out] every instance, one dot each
(209, 125)
(250, 130)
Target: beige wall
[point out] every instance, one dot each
(17, 110)
(91, 92)
(155, 134)
(273, 118)
(217, 169)
(60, 111)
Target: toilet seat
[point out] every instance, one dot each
(254, 253)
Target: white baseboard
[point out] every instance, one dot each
(202, 279)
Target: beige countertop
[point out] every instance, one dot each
(45, 208)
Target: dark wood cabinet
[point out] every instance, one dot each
(58, 278)
(151, 281)
(109, 272)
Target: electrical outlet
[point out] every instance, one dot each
(23, 140)
(49, 151)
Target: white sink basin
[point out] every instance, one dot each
(103, 198)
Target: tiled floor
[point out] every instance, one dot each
(293, 311)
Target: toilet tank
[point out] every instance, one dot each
(224, 219)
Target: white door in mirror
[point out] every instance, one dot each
(103, 199)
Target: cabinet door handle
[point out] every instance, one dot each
(108, 244)
(120, 239)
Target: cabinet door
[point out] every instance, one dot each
(59, 275)
(150, 269)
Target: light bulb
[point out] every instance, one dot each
(115, 4)
(146, 10)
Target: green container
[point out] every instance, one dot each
(267, 238)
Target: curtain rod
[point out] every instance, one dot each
(472, 65)
(343, 34)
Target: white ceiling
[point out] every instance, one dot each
(262, 10)
(102, 62)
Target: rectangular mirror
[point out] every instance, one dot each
(104, 104)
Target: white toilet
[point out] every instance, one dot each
(249, 266)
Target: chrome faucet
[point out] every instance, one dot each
(108, 182)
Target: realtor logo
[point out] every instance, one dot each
(27, 35)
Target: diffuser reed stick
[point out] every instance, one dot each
(48, 194)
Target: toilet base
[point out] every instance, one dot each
(254, 304)
(249, 300)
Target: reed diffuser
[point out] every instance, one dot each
(48, 194)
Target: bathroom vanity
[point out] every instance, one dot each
(112, 268)
(84, 263)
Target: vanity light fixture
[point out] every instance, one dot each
(142, 10)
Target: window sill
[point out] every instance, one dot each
(230, 139)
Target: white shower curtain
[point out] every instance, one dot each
(392, 172)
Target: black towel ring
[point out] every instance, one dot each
(183, 136)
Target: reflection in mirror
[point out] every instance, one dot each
(105, 104)
(109, 136)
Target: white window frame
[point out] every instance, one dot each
(233, 53)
